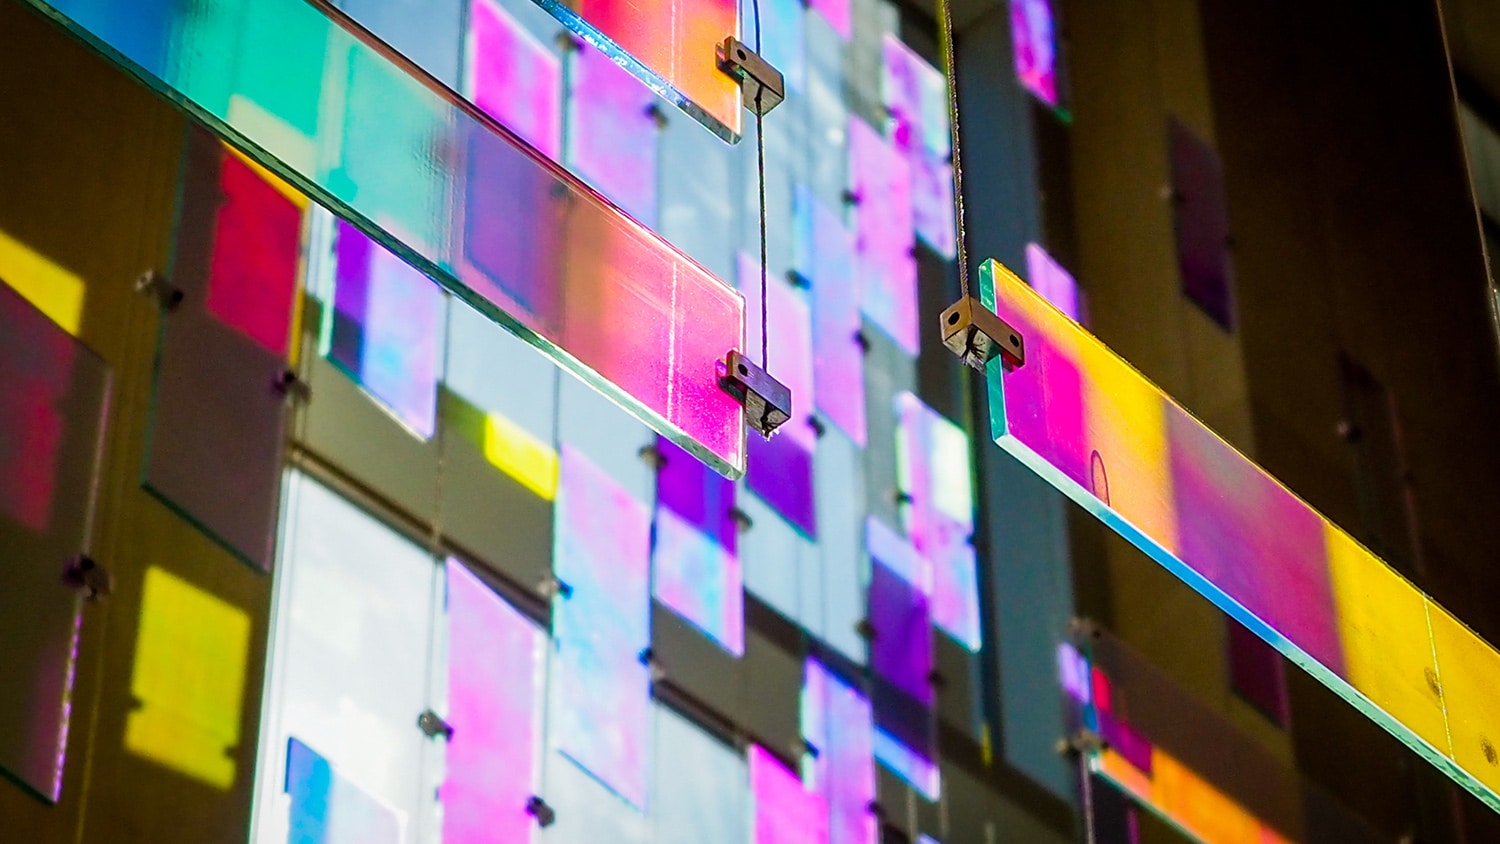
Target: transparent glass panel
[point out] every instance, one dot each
(700, 580)
(495, 670)
(612, 131)
(386, 328)
(841, 543)
(933, 466)
(1035, 43)
(217, 423)
(514, 77)
(326, 808)
(825, 258)
(880, 184)
(53, 406)
(601, 624)
(783, 38)
(839, 722)
(701, 789)
(1098, 431)
(915, 769)
(351, 658)
(454, 194)
(429, 32)
(785, 811)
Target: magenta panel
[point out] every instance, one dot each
(839, 722)
(700, 580)
(837, 13)
(1034, 41)
(514, 77)
(785, 812)
(495, 664)
(257, 246)
(601, 697)
(825, 257)
(612, 132)
(880, 183)
(1056, 285)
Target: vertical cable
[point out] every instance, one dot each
(945, 45)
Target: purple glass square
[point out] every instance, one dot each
(612, 132)
(700, 580)
(1202, 219)
(1056, 285)
(825, 256)
(785, 812)
(1035, 47)
(902, 649)
(698, 495)
(932, 202)
(880, 184)
(601, 705)
(781, 473)
(514, 77)
(495, 663)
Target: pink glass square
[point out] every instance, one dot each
(514, 77)
(1031, 26)
(880, 184)
(612, 132)
(837, 13)
(257, 248)
(1056, 285)
(825, 251)
(785, 812)
(838, 721)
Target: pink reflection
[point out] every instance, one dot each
(826, 257)
(838, 720)
(514, 77)
(837, 13)
(612, 132)
(494, 683)
(257, 246)
(1044, 403)
(1056, 285)
(1035, 47)
(880, 182)
(785, 812)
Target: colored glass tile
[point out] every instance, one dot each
(700, 580)
(252, 274)
(612, 132)
(1053, 283)
(387, 329)
(191, 652)
(702, 797)
(54, 290)
(329, 809)
(783, 37)
(916, 97)
(902, 650)
(53, 408)
(838, 721)
(514, 451)
(1073, 673)
(785, 812)
(838, 15)
(913, 768)
(488, 218)
(932, 203)
(825, 257)
(1201, 214)
(495, 668)
(696, 494)
(1034, 41)
(514, 78)
(880, 185)
(601, 695)
(1082, 419)
(938, 511)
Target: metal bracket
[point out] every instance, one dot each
(767, 402)
(433, 725)
(291, 387)
(977, 336)
(763, 84)
(87, 575)
(537, 808)
(551, 587)
(154, 284)
(1082, 741)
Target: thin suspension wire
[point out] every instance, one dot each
(760, 172)
(945, 44)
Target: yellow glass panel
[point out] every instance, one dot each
(189, 677)
(517, 453)
(1199, 807)
(1387, 649)
(52, 289)
(1469, 670)
(1127, 776)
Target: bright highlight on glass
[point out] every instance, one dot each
(329, 809)
(1098, 431)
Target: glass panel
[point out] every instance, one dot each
(612, 129)
(1034, 41)
(914, 769)
(785, 812)
(938, 512)
(825, 258)
(601, 695)
(1102, 434)
(899, 587)
(426, 31)
(1053, 283)
(329, 809)
(836, 13)
(217, 424)
(916, 96)
(700, 580)
(783, 39)
(495, 667)
(49, 286)
(189, 677)
(838, 720)
(839, 465)
(387, 328)
(1202, 224)
(587, 813)
(701, 792)
(53, 407)
(351, 655)
(458, 197)
(880, 184)
(514, 77)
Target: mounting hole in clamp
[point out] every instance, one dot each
(744, 370)
(1015, 341)
(953, 318)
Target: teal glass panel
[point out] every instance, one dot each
(460, 198)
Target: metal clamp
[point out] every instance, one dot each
(154, 284)
(977, 336)
(86, 575)
(433, 725)
(763, 84)
(291, 387)
(767, 402)
(537, 808)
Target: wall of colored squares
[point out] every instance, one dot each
(450, 391)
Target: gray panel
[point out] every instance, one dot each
(888, 371)
(702, 789)
(499, 373)
(429, 32)
(700, 203)
(973, 807)
(827, 115)
(840, 482)
(864, 60)
(587, 812)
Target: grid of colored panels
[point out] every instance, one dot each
(1093, 427)
(514, 77)
(880, 186)
(1035, 44)
(670, 46)
(490, 219)
(825, 258)
(938, 511)
(785, 811)
(387, 329)
(329, 809)
(601, 624)
(837, 720)
(495, 667)
(53, 404)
